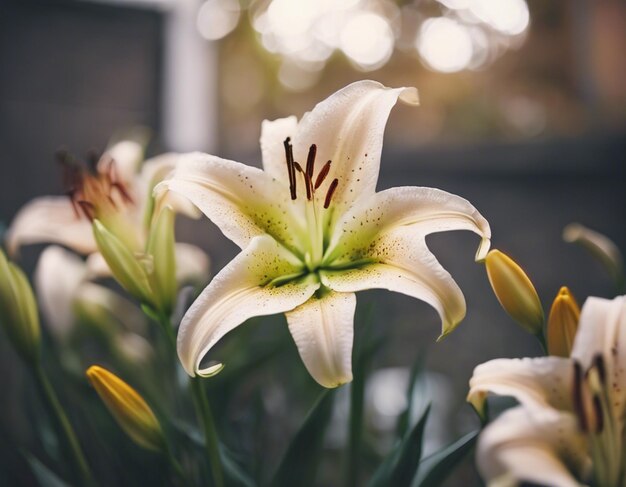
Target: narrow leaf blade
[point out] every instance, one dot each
(300, 461)
(45, 477)
(434, 469)
(401, 464)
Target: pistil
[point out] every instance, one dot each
(315, 220)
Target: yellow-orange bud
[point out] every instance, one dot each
(515, 291)
(128, 408)
(562, 323)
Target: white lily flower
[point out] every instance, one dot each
(65, 295)
(314, 231)
(118, 194)
(569, 428)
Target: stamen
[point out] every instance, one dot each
(331, 191)
(309, 186)
(71, 194)
(88, 209)
(322, 175)
(307, 181)
(122, 191)
(290, 168)
(92, 158)
(577, 399)
(310, 161)
(599, 416)
(598, 363)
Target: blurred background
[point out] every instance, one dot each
(523, 112)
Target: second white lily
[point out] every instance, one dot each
(314, 231)
(569, 427)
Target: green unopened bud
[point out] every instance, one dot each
(18, 310)
(128, 408)
(161, 244)
(127, 268)
(562, 324)
(601, 247)
(515, 291)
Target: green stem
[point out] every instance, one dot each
(168, 329)
(211, 444)
(356, 427)
(176, 467)
(203, 410)
(64, 429)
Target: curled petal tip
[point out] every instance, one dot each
(477, 401)
(210, 371)
(448, 328)
(339, 382)
(410, 96)
(483, 250)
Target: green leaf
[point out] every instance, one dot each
(234, 474)
(45, 477)
(299, 464)
(401, 464)
(404, 419)
(368, 346)
(434, 469)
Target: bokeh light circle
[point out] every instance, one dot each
(367, 39)
(444, 45)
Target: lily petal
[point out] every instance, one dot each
(241, 200)
(97, 267)
(127, 154)
(58, 277)
(116, 311)
(426, 210)
(240, 291)
(602, 330)
(402, 263)
(50, 219)
(323, 329)
(534, 446)
(192, 264)
(535, 382)
(348, 129)
(153, 171)
(273, 134)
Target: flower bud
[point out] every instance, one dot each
(161, 244)
(515, 291)
(128, 408)
(18, 310)
(129, 270)
(562, 324)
